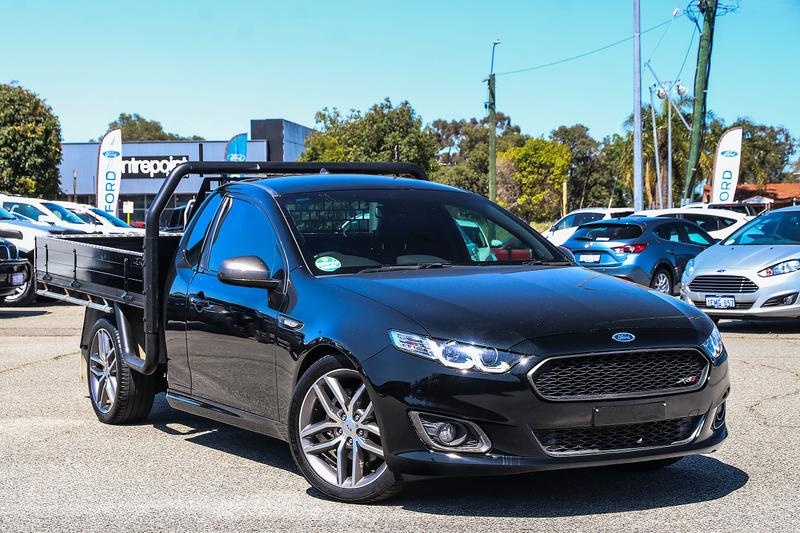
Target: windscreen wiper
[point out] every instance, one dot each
(551, 262)
(417, 266)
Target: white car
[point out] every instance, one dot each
(562, 230)
(751, 210)
(44, 211)
(103, 222)
(719, 223)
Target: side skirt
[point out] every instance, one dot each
(227, 415)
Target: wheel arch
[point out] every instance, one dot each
(320, 349)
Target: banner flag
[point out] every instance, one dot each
(726, 166)
(236, 149)
(109, 171)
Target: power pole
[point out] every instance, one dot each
(492, 142)
(638, 198)
(492, 130)
(709, 10)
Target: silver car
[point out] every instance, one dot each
(753, 273)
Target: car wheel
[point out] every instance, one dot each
(662, 281)
(335, 436)
(649, 466)
(25, 294)
(118, 394)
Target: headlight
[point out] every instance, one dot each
(689, 270)
(455, 354)
(713, 345)
(792, 265)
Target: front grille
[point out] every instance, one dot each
(604, 439)
(725, 284)
(8, 251)
(620, 374)
(739, 305)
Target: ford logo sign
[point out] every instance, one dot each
(111, 153)
(623, 336)
(729, 153)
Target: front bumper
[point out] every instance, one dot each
(510, 413)
(7, 268)
(751, 304)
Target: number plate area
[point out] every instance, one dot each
(721, 302)
(589, 258)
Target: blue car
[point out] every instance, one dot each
(645, 250)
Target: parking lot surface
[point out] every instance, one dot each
(60, 469)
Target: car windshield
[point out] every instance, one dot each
(344, 232)
(111, 218)
(607, 232)
(6, 215)
(774, 228)
(63, 213)
(86, 217)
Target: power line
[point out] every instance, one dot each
(686, 56)
(584, 54)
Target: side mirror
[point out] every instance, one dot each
(496, 243)
(247, 271)
(566, 251)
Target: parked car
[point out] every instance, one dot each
(751, 210)
(562, 230)
(386, 352)
(22, 234)
(718, 223)
(44, 211)
(753, 273)
(13, 271)
(649, 251)
(101, 221)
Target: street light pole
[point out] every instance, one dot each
(492, 131)
(638, 199)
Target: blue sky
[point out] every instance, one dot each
(207, 68)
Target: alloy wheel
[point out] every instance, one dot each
(339, 434)
(103, 371)
(662, 283)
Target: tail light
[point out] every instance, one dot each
(630, 248)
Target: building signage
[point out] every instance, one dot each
(150, 166)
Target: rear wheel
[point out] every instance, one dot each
(118, 394)
(335, 437)
(662, 281)
(25, 294)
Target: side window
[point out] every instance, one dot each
(725, 222)
(244, 229)
(193, 243)
(668, 232)
(708, 223)
(585, 218)
(694, 235)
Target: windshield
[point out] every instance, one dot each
(111, 218)
(342, 232)
(24, 209)
(607, 232)
(774, 228)
(86, 217)
(63, 213)
(6, 215)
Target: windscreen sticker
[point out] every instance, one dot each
(327, 263)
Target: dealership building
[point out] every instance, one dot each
(146, 164)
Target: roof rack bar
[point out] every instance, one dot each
(152, 319)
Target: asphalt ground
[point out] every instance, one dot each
(60, 469)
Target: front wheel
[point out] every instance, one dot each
(335, 437)
(118, 394)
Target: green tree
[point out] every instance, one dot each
(588, 185)
(137, 128)
(384, 133)
(539, 168)
(30, 143)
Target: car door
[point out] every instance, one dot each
(231, 329)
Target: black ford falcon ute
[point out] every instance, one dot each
(370, 322)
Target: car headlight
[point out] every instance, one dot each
(713, 345)
(785, 267)
(688, 272)
(454, 354)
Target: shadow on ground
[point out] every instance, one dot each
(760, 326)
(21, 312)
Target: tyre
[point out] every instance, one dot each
(334, 434)
(662, 281)
(649, 466)
(118, 394)
(24, 294)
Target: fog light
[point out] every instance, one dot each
(719, 417)
(784, 299)
(449, 434)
